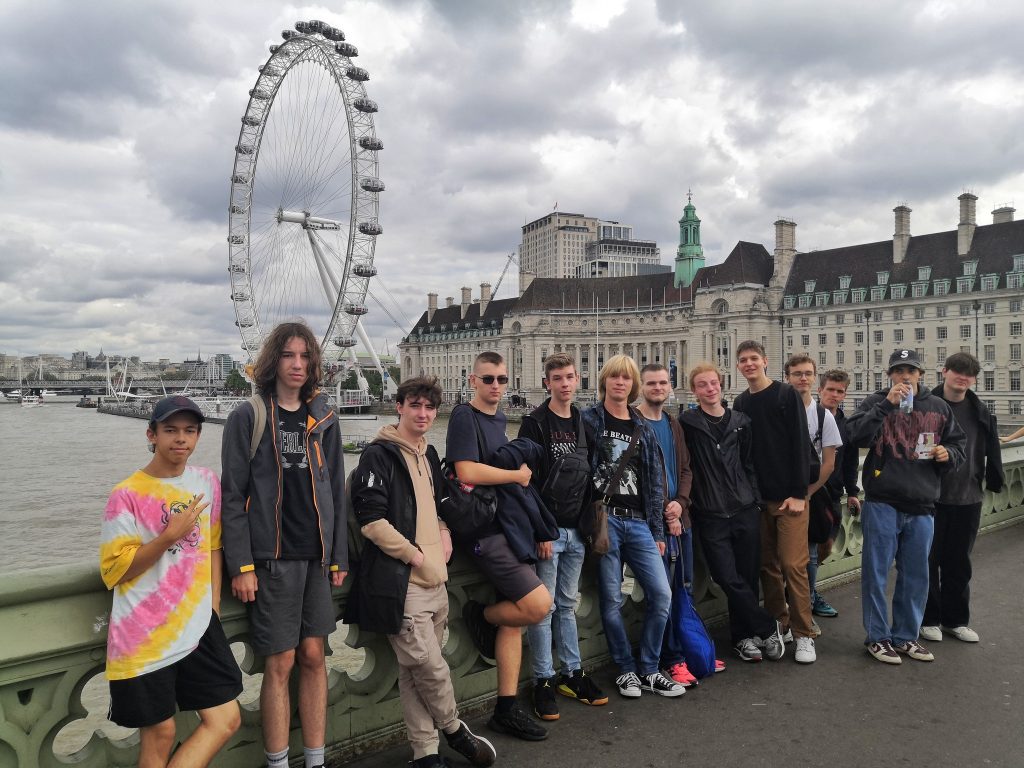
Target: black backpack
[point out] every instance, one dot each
(568, 478)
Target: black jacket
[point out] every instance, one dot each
(724, 478)
(993, 475)
(376, 599)
(892, 472)
(521, 513)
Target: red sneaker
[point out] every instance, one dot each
(719, 665)
(681, 675)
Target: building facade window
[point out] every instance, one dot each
(822, 359)
(805, 301)
(840, 357)
(1015, 352)
(988, 379)
(989, 282)
(897, 314)
(883, 277)
(897, 335)
(822, 320)
(1015, 305)
(844, 282)
(919, 313)
(878, 293)
(858, 357)
(990, 330)
(804, 322)
(822, 339)
(918, 290)
(990, 353)
(878, 336)
(789, 302)
(965, 331)
(858, 337)
(805, 340)
(924, 273)
(941, 311)
(941, 287)
(940, 353)
(840, 318)
(1015, 328)
(1015, 381)
(964, 284)
(919, 334)
(970, 267)
(1014, 407)
(840, 338)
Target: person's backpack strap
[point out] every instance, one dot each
(821, 424)
(581, 432)
(259, 423)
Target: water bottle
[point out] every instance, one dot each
(907, 402)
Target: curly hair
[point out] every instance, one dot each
(265, 368)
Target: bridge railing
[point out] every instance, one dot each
(52, 649)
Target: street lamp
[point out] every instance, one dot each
(869, 366)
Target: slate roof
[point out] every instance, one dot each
(451, 316)
(993, 246)
(610, 292)
(746, 263)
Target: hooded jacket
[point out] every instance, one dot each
(892, 472)
(993, 475)
(724, 478)
(396, 524)
(252, 490)
(652, 471)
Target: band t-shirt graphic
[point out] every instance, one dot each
(562, 436)
(611, 444)
(300, 529)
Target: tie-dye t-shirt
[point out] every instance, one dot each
(158, 617)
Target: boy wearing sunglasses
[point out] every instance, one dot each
(475, 431)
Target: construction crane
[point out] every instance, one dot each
(511, 258)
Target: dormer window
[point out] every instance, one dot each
(883, 277)
(809, 286)
(970, 268)
(878, 293)
(924, 273)
(1018, 262)
(844, 282)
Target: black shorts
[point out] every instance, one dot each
(207, 677)
(512, 579)
(293, 602)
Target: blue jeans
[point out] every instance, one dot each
(561, 575)
(812, 571)
(893, 535)
(632, 543)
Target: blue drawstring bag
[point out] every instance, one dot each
(689, 629)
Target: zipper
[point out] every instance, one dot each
(280, 478)
(312, 424)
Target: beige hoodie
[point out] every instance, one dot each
(433, 571)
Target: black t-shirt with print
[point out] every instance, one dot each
(611, 444)
(300, 529)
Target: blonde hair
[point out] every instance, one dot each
(617, 365)
(700, 368)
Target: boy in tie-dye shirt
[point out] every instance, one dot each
(160, 554)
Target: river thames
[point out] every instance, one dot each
(60, 462)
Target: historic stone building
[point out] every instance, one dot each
(849, 307)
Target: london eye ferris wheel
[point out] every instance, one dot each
(303, 210)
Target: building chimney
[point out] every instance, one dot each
(467, 301)
(449, 300)
(485, 297)
(1003, 215)
(901, 237)
(965, 232)
(785, 252)
(431, 306)
(525, 279)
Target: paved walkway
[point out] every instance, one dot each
(964, 709)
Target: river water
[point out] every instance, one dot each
(59, 463)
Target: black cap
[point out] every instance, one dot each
(905, 357)
(175, 404)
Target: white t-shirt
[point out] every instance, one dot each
(830, 437)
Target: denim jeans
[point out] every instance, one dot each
(812, 571)
(632, 543)
(893, 535)
(561, 575)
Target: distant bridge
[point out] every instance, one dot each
(100, 386)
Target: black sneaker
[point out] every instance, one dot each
(517, 723)
(544, 705)
(476, 749)
(481, 632)
(661, 685)
(428, 761)
(582, 687)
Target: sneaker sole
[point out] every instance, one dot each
(590, 702)
(667, 694)
(632, 693)
(547, 718)
(499, 728)
(952, 633)
(917, 657)
(886, 659)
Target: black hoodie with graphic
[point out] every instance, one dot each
(893, 473)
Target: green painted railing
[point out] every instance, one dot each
(53, 631)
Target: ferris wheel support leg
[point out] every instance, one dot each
(330, 283)
(373, 354)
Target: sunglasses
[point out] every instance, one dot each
(489, 379)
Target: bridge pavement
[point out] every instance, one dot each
(964, 709)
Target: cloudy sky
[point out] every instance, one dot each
(118, 122)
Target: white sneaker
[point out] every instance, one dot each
(966, 634)
(815, 629)
(805, 650)
(931, 633)
(787, 636)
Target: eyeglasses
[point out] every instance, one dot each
(801, 374)
(489, 379)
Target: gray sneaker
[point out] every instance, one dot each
(774, 647)
(748, 650)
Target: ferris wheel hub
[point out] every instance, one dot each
(306, 220)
